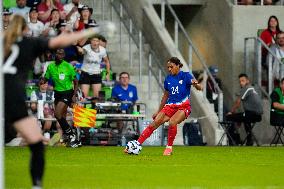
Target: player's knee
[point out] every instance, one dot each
(157, 123)
(172, 123)
(35, 138)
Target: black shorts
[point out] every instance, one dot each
(63, 96)
(88, 79)
(14, 105)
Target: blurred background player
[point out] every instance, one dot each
(175, 103)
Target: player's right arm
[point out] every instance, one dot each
(66, 39)
(162, 104)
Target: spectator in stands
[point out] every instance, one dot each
(252, 105)
(91, 68)
(85, 18)
(71, 10)
(65, 84)
(64, 27)
(46, 7)
(277, 105)
(6, 17)
(51, 27)
(48, 110)
(36, 27)
(211, 91)
(21, 9)
(103, 41)
(278, 50)
(269, 36)
(125, 92)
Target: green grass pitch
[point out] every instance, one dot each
(189, 167)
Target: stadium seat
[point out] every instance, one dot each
(254, 139)
(278, 134)
(277, 121)
(226, 126)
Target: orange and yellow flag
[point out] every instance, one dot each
(84, 117)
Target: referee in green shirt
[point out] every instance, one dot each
(65, 84)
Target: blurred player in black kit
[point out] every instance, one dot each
(19, 54)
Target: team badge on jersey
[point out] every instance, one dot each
(130, 94)
(180, 82)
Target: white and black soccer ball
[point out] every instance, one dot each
(133, 147)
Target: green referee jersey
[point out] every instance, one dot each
(62, 75)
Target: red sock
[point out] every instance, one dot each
(146, 134)
(172, 132)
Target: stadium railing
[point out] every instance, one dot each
(254, 71)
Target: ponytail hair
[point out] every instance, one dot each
(176, 61)
(17, 24)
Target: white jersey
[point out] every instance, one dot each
(93, 59)
(36, 28)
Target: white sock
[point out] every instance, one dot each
(169, 147)
(36, 187)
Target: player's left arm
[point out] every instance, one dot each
(197, 85)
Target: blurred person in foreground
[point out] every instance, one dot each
(19, 54)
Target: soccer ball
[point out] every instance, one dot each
(133, 147)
